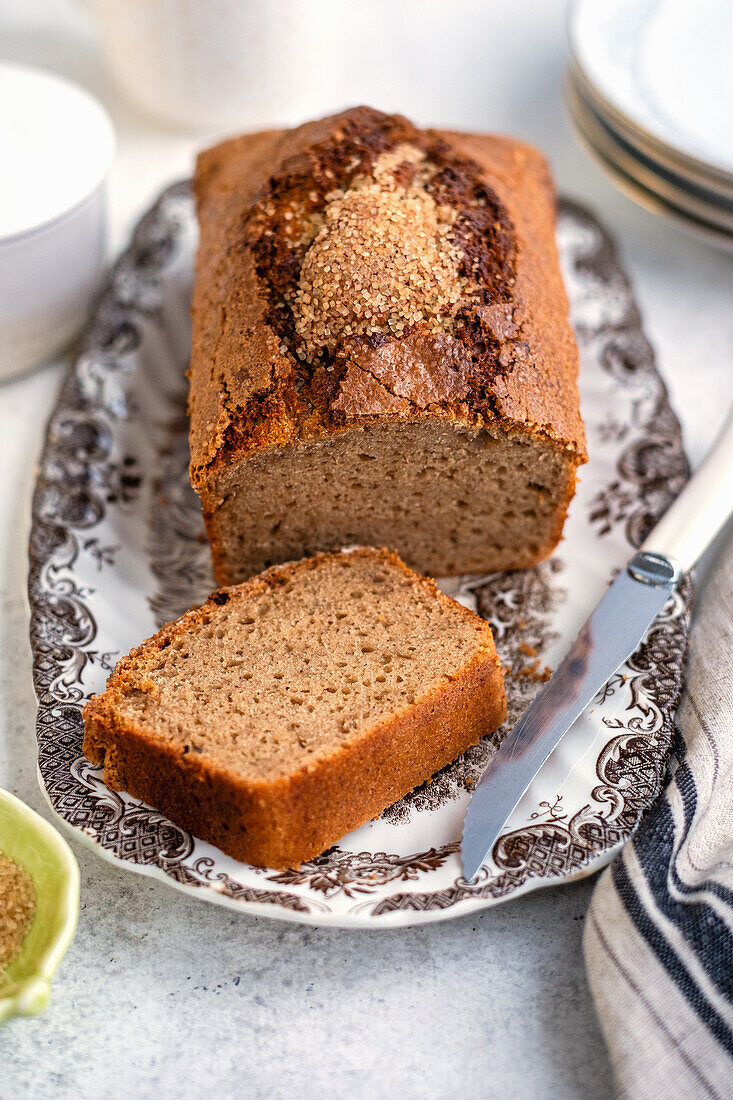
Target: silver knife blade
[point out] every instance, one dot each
(609, 636)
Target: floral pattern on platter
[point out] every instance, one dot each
(117, 548)
(354, 873)
(519, 608)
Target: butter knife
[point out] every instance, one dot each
(608, 638)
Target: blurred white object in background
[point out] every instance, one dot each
(217, 64)
(56, 145)
(650, 92)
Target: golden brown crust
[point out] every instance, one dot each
(240, 398)
(539, 390)
(226, 304)
(282, 822)
(287, 821)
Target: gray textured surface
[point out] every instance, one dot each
(163, 996)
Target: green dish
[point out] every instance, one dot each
(25, 986)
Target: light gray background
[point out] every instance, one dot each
(161, 995)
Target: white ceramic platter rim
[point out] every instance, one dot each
(116, 548)
(274, 912)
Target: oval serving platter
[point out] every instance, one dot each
(118, 548)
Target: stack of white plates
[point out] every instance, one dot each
(650, 92)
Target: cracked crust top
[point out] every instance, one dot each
(357, 267)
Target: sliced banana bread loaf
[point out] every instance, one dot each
(297, 706)
(380, 333)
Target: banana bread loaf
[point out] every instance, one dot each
(381, 348)
(291, 709)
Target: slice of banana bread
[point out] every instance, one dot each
(380, 333)
(297, 706)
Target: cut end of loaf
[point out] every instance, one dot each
(454, 499)
(293, 708)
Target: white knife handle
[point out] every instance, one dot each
(693, 520)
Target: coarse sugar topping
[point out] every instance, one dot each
(384, 258)
(17, 905)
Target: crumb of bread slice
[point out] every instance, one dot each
(292, 708)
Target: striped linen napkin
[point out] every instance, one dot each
(659, 932)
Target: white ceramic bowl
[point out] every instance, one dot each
(56, 145)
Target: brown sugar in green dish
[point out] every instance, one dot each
(295, 707)
(17, 906)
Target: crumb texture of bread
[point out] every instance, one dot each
(295, 707)
(366, 289)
